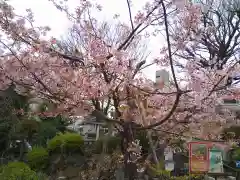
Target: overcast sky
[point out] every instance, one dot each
(46, 14)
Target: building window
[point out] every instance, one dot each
(91, 135)
(230, 101)
(105, 130)
(80, 129)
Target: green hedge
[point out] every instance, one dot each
(236, 154)
(190, 177)
(17, 171)
(69, 142)
(38, 158)
(156, 170)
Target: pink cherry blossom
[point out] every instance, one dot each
(111, 75)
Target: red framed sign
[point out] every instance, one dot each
(198, 157)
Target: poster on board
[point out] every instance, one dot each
(216, 162)
(199, 158)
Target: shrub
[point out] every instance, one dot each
(236, 154)
(42, 176)
(38, 158)
(17, 171)
(156, 170)
(190, 177)
(67, 141)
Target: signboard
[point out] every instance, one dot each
(207, 157)
(216, 162)
(168, 156)
(237, 164)
(224, 148)
(169, 166)
(199, 158)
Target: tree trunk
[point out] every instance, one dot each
(155, 158)
(129, 156)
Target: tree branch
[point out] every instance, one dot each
(169, 45)
(131, 35)
(170, 113)
(130, 14)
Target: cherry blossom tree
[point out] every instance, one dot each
(220, 34)
(104, 73)
(210, 46)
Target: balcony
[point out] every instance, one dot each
(232, 102)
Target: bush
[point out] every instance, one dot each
(156, 170)
(68, 141)
(190, 177)
(42, 176)
(38, 158)
(17, 171)
(236, 154)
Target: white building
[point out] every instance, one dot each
(232, 102)
(88, 127)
